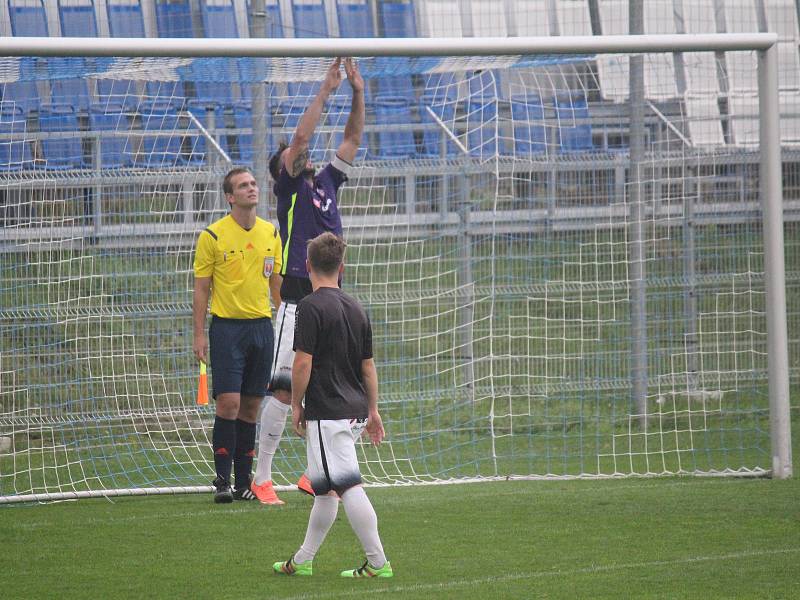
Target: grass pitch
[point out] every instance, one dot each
(641, 538)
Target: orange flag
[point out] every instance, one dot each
(202, 385)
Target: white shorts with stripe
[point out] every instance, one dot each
(283, 354)
(331, 453)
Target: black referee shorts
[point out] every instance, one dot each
(241, 355)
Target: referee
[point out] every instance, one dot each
(238, 258)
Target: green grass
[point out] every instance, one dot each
(643, 538)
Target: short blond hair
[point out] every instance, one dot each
(326, 253)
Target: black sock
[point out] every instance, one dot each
(245, 452)
(223, 440)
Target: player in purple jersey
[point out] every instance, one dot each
(306, 208)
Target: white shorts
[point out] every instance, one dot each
(331, 450)
(283, 355)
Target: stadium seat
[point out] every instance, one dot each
(174, 19)
(574, 136)
(393, 110)
(77, 19)
(160, 150)
(60, 152)
(481, 120)
(527, 112)
(65, 89)
(22, 94)
(309, 19)
(15, 151)
(198, 143)
(243, 119)
(396, 19)
(704, 120)
(125, 20)
(444, 107)
(219, 19)
(782, 19)
(28, 18)
(116, 151)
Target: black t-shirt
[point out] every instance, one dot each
(335, 330)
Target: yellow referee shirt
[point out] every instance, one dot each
(240, 263)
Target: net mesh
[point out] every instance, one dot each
(490, 226)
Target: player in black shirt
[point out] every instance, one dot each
(334, 369)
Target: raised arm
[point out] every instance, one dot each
(295, 157)
(355, 122)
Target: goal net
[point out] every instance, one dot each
(498, 233)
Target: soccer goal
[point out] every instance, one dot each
(573, 265)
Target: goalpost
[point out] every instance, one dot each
(557, 285)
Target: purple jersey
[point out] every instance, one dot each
(304, 212)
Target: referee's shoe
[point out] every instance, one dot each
(223, 494)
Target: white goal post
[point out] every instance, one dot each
(769, 162)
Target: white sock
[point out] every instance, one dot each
(323, 514)
(364, 522)
(273, 421)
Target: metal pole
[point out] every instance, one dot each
(310, 47)
(258, 30)
(770, 189)
(636, 217)
(690, 280)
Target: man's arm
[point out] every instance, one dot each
(275, 281)
(354, 128)
(295, 157)
(301, 373)
(374, 423)
(202, 290)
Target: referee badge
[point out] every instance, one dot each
(269, 266)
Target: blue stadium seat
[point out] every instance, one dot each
(444, 107)
(396, 19)
(161, 150)
(171, 92)
(199, 143)
(174, 19)
(309, 20)
(243, 119)
(28, 19)
(208, 85)
(60, 152)
(393, 110)
(15, 151)
(116, 151)
(355, 20)
(77, 20)
(219, 19)
(574, 137)
(22, 94)
(65, 89)
(527, 113)
(124, 20)
(482, 126)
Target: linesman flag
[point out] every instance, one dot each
(202, 385)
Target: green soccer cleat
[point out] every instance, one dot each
(366, 570)
(292, 568)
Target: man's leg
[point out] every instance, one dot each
(323, 515)
(364, 522)
(273, 422)
(223, 441)
(245, 445)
